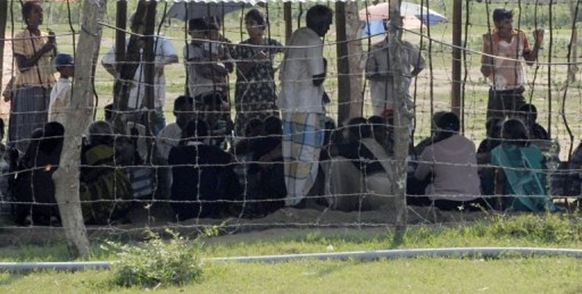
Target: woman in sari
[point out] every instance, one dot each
(520, 175)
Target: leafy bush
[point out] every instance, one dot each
(157, 262)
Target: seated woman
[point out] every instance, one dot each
(33, 183)
(105, 189)
(358, 174)
(450, 164)
(519, 175)
(204, 183)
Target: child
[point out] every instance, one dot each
(61, 92)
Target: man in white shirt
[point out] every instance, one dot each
(165, 53)
(301, 102)
(379, 72)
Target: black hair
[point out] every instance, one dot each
(198, 24)
(376, 121)
(493, 127)
(108, 109)
(257, 16)
(448, 122)
(359, 127)
(252, 125)
(317, 15)
(499, 14)
(213, 99)
(529, 110)
(27, 8)
(2, 126)
(101, 133)
(272, 125)
(515, 132)
(182, 101)
(52, 136)
(196, 129)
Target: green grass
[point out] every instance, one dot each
(506, 274)
(422, 275)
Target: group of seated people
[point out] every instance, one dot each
(201, 174)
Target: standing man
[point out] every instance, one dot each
(165, 53)
(502, 64)
(301, 102)
(379, 72)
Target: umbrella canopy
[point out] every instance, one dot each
(407, 10)
(189, 10)
(376, 27)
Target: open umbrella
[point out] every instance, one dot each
(189, 10)
(414, 15)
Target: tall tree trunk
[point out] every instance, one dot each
(356, 54)
(79, 112)
(402, 120)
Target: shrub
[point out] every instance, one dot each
(157, 262)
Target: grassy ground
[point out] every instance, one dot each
(507, 274)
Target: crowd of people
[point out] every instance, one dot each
(286, 151)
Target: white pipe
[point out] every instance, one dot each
(72, 266)
(361, 255)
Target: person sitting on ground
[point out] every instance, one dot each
(210, 108)
(492, 140)
(33, 184)
(106, 191)
(382, 134)
(203, 180)
(168, 138)
(529, 115)
(486, 172)
(243, 152)
(450, 164)
(8, 159)
(268, 153)
(358, 174)
(61, 92)
(520, 176)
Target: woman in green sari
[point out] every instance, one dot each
(520, 174)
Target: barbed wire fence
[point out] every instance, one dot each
(553, 88)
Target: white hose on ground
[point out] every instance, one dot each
(481, 252)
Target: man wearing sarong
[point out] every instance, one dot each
(302, 76)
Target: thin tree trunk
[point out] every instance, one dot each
(79, 112)
(402, 121)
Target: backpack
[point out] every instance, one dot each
(105, 188)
